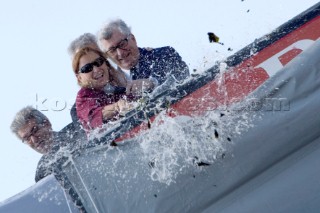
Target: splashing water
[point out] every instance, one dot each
(170, 147)
(173, 144)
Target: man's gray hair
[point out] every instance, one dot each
(106, 31)
(24, 116)
(82, 41)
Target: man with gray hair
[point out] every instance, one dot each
(120, 45)
(34, 129)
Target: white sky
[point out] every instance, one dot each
(35, 35)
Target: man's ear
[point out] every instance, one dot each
(47, 123)
(133, 38)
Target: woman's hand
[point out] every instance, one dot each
(119, 108)
(109, 111)
(124, 106)
(137, 87)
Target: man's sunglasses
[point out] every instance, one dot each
(89, 67)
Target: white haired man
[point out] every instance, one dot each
(34, 129)
(117, 41)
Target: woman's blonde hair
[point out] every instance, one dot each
(85, 51)
(82, 52)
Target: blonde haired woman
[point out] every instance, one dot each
(96, 106)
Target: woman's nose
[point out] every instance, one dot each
(96, 69)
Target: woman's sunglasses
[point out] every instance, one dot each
(89, 67)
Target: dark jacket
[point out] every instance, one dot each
(70, 137)
(159, 63)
